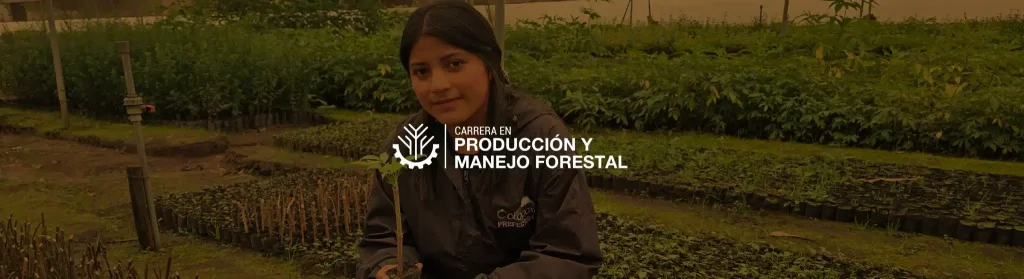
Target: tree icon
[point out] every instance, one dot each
(414, 140)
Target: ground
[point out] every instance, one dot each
(82, 189)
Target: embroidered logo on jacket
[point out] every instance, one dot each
(518, 218)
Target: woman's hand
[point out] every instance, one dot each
(382, 273)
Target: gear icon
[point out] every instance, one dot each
(415, 165)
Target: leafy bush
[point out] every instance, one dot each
(353, 15)
(941, 88)
(187, 72)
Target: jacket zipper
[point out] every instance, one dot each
(465, 228)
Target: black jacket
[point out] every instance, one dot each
(532, 223)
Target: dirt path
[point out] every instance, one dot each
(925, 255)
(83, 190)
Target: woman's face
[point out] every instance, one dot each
(450, 83)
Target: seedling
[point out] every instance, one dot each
(389, 168)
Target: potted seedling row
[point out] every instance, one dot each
(1018, 236)
(911, 223)
(1003, 235)
(274, 222)
(756, 201)
(829, 212)
(37, 251)
(898, 207)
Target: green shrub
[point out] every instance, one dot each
(942, 88)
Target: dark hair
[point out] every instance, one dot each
(457, 23)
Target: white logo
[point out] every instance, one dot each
(415, 143)
(519, 218)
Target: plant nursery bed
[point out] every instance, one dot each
(313, 214)
(348, 139)
(38, 251)
(273, 161)
(250, 122)
(160, 140)
(633, 249)
(982, 207)
(970, 206)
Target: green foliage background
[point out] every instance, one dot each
(950, 88)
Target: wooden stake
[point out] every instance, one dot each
(325, 216)
(399, 233)
(785, 18)
(245, 218)
(270, 217)
(262, 208)
(760, 16)
(358, 204)
(280, 227)
(345, 202)
(302, 218)
(337, 208)
(58, 67)
(291, 219)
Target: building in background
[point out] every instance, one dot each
(15, 10)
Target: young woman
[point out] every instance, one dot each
(477, 223)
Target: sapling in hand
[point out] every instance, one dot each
(389, 169)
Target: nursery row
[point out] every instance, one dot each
(811, 87)
(636, 250)
(360, 137)
(315, 214)
(249, 215)
(36, 251)
(551, 36)
(358, 15)
(674, 169)
(897, 189)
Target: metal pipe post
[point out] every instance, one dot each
(133, 104)
(499, 20)
(58, 67)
